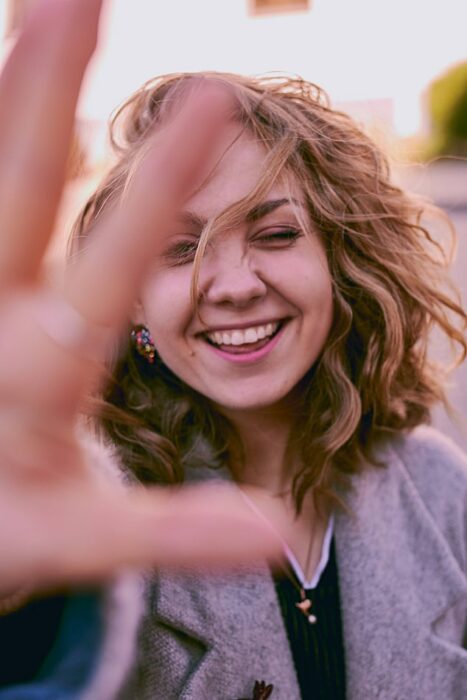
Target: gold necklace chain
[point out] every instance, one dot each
(305, 603)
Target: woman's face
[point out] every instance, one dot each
(265, 308)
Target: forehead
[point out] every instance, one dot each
(236, 175)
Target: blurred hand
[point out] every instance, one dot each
(59, 522)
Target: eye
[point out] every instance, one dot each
(278, 238)
(181, 253)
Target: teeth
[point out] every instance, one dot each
(236, 338)
(243, 336)
(251, 336)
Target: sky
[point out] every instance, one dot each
(355, 49)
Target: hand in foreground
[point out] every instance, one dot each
(58, 522)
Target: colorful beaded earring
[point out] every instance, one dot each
(143, 343)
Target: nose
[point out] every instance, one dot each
(229, 275)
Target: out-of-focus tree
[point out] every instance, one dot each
(447, 105)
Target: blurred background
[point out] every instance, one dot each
(399, 68)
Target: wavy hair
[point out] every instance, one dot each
(391, 289)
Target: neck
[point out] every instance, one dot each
(268, 464)
(268, 460)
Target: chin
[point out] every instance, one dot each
(256, 402)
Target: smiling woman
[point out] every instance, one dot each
(299, 234)
(282, 340)
(244, 290)
(278, 341)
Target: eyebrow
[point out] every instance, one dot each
(258, 212)
(268, 207)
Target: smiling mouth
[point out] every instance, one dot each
(243, 342)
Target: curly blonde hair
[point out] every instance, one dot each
(373, 377)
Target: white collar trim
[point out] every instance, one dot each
(322, 562)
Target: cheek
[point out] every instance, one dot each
(321, 293)
(167, 306)
(311, 291)
(309, 288)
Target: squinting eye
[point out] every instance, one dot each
(280, 238)
(181, 253)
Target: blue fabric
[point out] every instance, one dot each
(71, 661)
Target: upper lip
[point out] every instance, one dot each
(240, 326)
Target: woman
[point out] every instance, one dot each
(278, 341)
(282, 334)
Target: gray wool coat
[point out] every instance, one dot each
(402, 565)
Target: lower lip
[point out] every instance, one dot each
(249, 357)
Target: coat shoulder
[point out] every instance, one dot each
(437, 468)
(433, 460)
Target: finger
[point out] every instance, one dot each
(69, 345)
(46, 356)
(76, 538)
(104, 281)
(193, 526)
(35, 447)
(39, 88)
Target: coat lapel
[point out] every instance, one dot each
(398, 579)
(237, 621)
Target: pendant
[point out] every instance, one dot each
(305, 606)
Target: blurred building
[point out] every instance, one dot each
(258, 7)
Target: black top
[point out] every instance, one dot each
(26, 637)
(317, 649)
(49, 647)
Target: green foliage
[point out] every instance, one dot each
(447, 104)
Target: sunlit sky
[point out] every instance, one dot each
(356, 49)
